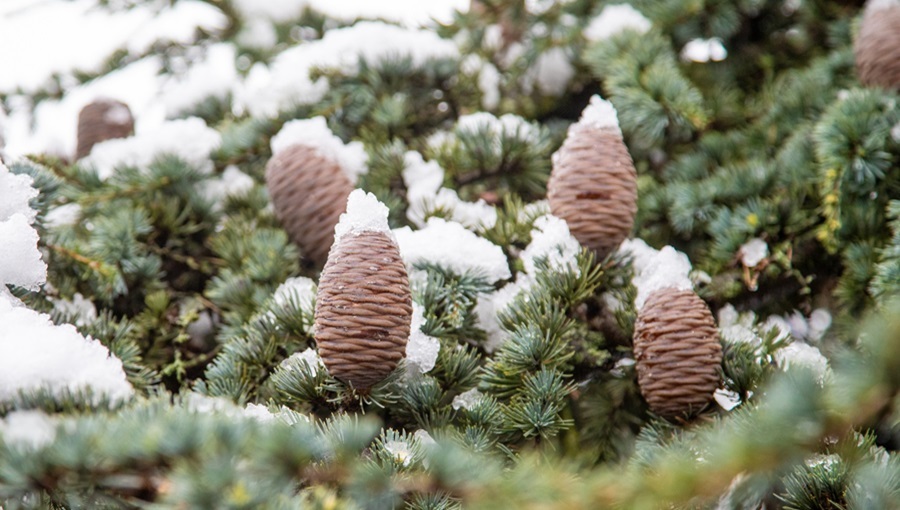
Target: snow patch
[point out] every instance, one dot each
(421, 349)
(550, 238)
(37, 354)
(189, 139)
(449, 245)
(16, 193)
(426, 196)
(704, 50)
(364, 214)
(287, 81)
(20, 259)
(300, 288)
(656, 269)
(600, 114)
(615, 19)
(467, 399)
(798, 354)
(28, 428)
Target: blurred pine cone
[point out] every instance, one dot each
(101, 120)
(309, 192)
(593, 186)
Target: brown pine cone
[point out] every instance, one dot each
(309, 192)
(677, 352)
(363, 309)
(101, 120)
(877, 46)
(593, 186)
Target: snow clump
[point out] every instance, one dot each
(656, 269)
(448, 244)
(425, 195)
(364, 214)
(615, 19)
(188, 139)
(421, 349)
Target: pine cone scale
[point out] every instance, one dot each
(308, 192)
(363, 309)
(593, 187)
(677, 352)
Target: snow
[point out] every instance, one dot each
(189, 139)
(819, 322)
(36, 354)
(62, 215)
(271, 10)
(287, 81)
(80, 309)
(739, 334)
(259, 413)
(407, 12)
(424, 438)
(656, 269)
(491, 304)
(507, 125)
(727, 316)
(704, 50)
(550, 238)
(726, 399)
(488, 80)
(20, 259)
(553, 70)
(798, 354)
(15, 194)
(615, 19)
(364, 214)
(467, 399)
(425, 195)
(300, 288)
(753, 252)
(421, 349)
(315, 133)
(60, 37)
(400, 451)
(28, 428)
(257, 33)
(448, 244)
(309, 357)
(232, 183)
(779, 324)
(600, 114)
(213, 74)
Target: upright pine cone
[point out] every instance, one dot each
(877, 46)
(677, 352)
(102, 120)
(309, 191)
(593, 183)
(364, 304)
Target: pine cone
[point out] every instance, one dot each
(308, 191)
(102, 120)
(363, 309)
(877, 46)
(677, 352)
(593, 187)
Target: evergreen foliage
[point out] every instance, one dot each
(533, 400)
